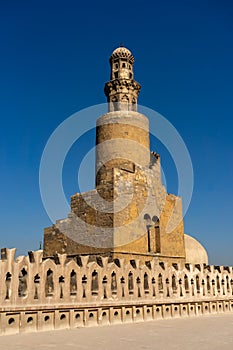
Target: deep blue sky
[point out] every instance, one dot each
(54, 62)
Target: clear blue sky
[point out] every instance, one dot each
(54, 62)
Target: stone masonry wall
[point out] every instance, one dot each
(114, 218)
(49, 294)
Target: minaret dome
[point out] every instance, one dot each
(121, 62)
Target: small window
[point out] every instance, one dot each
(116, 75)
(11, 320)
(29, 320)
(123, 65)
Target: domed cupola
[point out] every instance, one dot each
(121, 62)
(122, 90)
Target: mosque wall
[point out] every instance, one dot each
(39, 294)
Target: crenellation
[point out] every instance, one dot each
(53, 280)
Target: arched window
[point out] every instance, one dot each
(22, 289)
(61, 283)
(104, 282)
(84, 282)
(160, 282)
(218, 284)
(130, 282)
(186, 283)
(94, 282)
(174, 285)
(146, 283)
(36, 283)
(122, 286)
(197, 284)
(113, 282)
(49, 285)
(8, 283)
(73, 283)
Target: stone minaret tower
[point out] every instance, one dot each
(128, 213)
(122, 135)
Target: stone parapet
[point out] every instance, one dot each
(39, 294)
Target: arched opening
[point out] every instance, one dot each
(113, 283)
(11, 321)
(61, 283)
(22, 288)
(30, 320)
(138, 281)
(73, 283)
(174, 284)
(228, 284)
(160, 283)
(153, 286)
(198, 284)
(218, 284)
(8, 283)
(146, 283)
(94, 283)
(104, 282)
(122, 286)
(49, 284)
(130, 283)
(84, 282)
(46, 318)
(36, 284)
(186, 284)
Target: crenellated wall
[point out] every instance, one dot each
(38, 294)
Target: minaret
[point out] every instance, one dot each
(122, 135)
(127, 214)
(122, 90)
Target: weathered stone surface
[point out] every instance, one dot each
(57, 293)
(129, 214)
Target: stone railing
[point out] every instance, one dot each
(41, 294)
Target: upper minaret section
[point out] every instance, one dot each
(122, 90)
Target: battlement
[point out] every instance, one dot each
(98, 290)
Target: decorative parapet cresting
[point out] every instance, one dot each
(30, 284)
